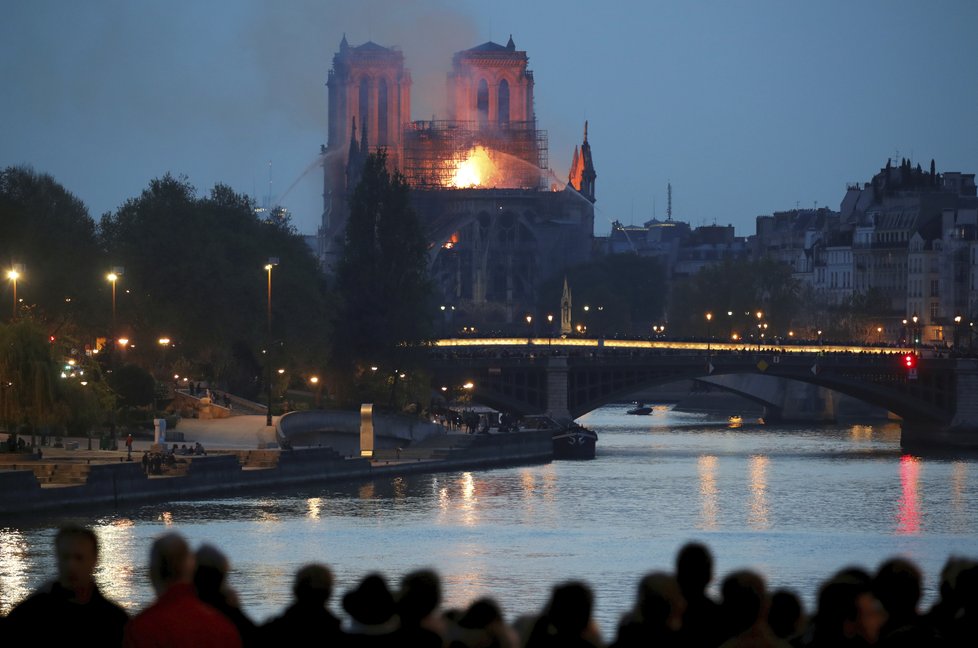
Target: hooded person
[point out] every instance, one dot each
(373, 614)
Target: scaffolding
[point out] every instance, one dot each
(434, 151)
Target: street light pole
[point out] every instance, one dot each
(272, 262)
(709, 333)
(14, 274)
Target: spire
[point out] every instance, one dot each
(588, 175)
(343, 44)
(574, 177)
(511, 46)
(565, 310)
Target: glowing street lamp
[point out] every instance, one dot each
(272, 262)
(112, 277)
(15, 273)
(709, 337)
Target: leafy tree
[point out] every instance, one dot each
(381, 281)
(741, 287)
(48, 230)
(194, 271)
(27, 375)
(628, 289)
(134, 385)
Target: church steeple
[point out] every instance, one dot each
(565, 310)
(588, 175)
(574, 177)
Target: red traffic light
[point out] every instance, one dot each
(910, 361)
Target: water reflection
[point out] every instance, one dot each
(861, 434)
(117, 564)
(468, 508)
(757, 518)
(166, 517)
(908, 517)
(13, 568)
(314, 507)
(707, 467)
(959, 480)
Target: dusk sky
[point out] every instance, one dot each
(745, 107)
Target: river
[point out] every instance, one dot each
(793, 502)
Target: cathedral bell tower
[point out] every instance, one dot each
(370, 87)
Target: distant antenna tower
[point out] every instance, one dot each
(669, 204)
(268, 196)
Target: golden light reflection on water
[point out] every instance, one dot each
(468, 507)
(908, 516)
(861, 433)
(367, 491)
(400, 488)
(707, 467)
(314, 507)
(118, 568)
(959, 479)
(166, 517)
(758, 517)
(13, 568)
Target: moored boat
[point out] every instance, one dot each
(571, 441)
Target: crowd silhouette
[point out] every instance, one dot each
(196, 606)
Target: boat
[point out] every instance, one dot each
(571, 441)
(641, 410)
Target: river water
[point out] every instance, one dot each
(795, 503)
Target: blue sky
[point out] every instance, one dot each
(745, 107)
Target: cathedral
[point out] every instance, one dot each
(498, 221)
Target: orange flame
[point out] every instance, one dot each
(477, 170)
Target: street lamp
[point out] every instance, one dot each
(272, 262)
(957, 328)
(164, 342)
(113, 276)
(14, 274)
(709, 336)
(529, 327)
(315, 384)
(916, 333)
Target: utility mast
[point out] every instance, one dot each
(669, 204)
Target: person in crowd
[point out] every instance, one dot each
(70, 610)
(210, 582)
(177, 617)
(482, 625)
(745, 609)
(567, 620)
(417, 605)
(848, 614)
(657, 618)
(786, 616)
(943, 615)
(306, 622)
(701, 623)
(373, 614)
(897, 585)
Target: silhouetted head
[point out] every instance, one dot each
(371, 603)
(660, 604)
(694, 568)
(420, 595)
(76, 548)
(170, 562)
(313, 584)
(897, 586)
(785, 614)
(570, 608)
(211, 571)
(848, 609)
(744, 600)
(481, 614)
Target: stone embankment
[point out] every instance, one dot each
(78, 480)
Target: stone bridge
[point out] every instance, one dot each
(569, 382)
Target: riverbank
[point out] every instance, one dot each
(76, 479)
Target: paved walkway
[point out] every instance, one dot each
(245, 432)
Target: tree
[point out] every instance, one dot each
(381, 280)
(194, 267)
(27, 375)
(48, 230)
(741, 287)
(628, 288)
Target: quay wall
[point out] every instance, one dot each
(121, 484)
